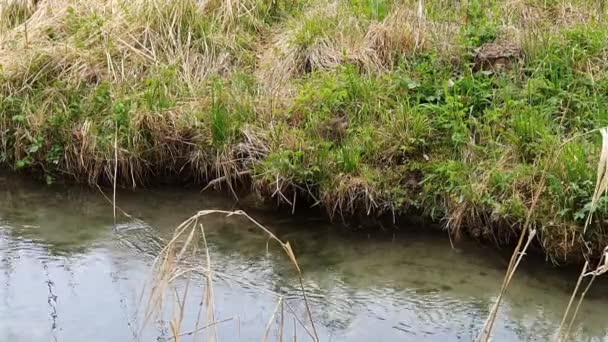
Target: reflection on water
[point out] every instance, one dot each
(68, 274)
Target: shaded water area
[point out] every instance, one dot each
(67, 273)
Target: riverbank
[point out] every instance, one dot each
(454, 111)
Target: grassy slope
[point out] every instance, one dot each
(362, 105)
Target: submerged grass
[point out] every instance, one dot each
(448, 109)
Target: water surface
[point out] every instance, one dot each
(67, 273)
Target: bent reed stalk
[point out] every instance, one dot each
(601, 187)
(169, 266)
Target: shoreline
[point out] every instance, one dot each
(350, 227)
(368, 225)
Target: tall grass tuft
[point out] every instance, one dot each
(14, 13)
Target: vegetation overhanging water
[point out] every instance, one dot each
(68, 272)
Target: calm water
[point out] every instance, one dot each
(68, 274)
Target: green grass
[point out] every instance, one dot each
(362, 106)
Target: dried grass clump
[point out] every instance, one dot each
(528, 20)
(331, 34)
(232, 166)
(314, 41)
(326, 37)
(407, 31)
(399, 34)
(350, 194)
(568, 14)
(90, 42)
(158, 145)
(233, 13)
(15, 12)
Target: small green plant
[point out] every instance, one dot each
(373, 9)
(86, 29)
(480, 28)
(349, 159)
(287, 164)
(158, 94)
(311, 30)
(220, 124)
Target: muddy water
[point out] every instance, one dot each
(67, 273)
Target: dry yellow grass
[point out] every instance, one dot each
(172, 264)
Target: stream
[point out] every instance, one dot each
(68, 273)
